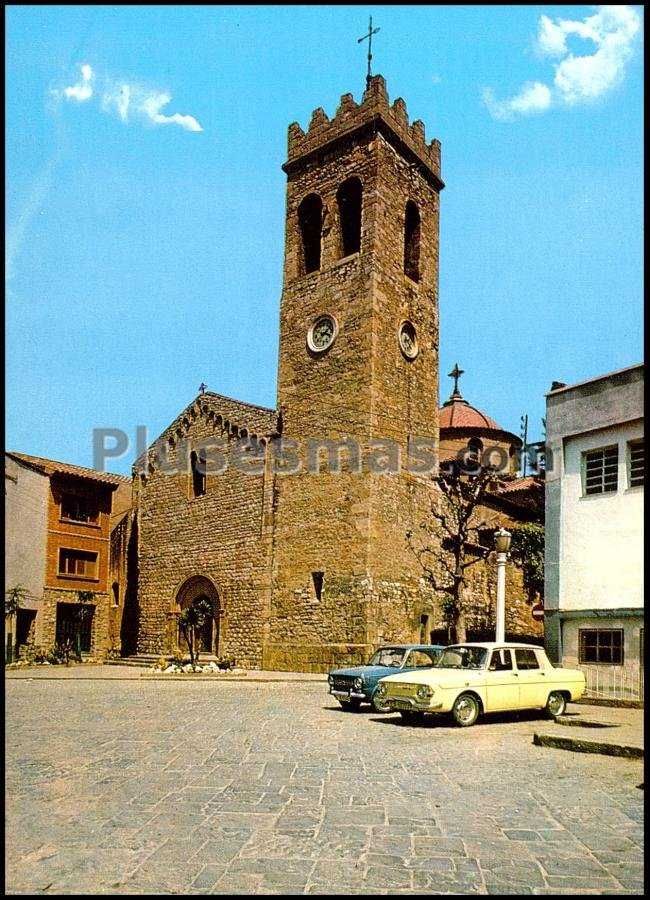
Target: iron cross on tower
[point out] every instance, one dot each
(455, 374)
(368, 37)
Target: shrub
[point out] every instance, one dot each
(527, 550)
(190, 621)
(62, 652)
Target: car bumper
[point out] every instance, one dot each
(347, 695)
(411, 704)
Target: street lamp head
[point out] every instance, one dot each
(502, 539)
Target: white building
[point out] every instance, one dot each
(594, 530)
(26, 492)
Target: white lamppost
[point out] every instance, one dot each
(502, 543)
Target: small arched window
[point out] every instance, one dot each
(473, 455)
(425, 629)
(198, 464)
(412, 241)
(310, 220)
(348, 198)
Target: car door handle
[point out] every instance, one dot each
(516, 674)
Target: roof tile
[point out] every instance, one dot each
(52, 467)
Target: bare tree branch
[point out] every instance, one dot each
(451, 549)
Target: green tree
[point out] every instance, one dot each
(191, 621)
(15, 598)
(527, 551)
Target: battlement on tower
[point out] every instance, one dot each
(375, 111)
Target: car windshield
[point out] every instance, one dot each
(463, 658)
(387, 656)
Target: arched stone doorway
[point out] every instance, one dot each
(192, 590)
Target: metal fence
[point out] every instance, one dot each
(613, 682)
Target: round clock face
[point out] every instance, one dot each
(321, 334)
(408, 340)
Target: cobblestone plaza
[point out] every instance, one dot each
(141, 787)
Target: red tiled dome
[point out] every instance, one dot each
(459, 414)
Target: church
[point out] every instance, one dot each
(303, 555)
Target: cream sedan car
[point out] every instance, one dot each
(471, 679)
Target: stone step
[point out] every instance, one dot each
(628, 745)
(132, 661)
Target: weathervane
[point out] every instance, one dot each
(368, 37)
(455, 374)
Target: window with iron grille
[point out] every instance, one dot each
(601, 645)
(637, 463)
(601, 470)
(77, 562)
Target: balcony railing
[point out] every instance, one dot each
(613, 682)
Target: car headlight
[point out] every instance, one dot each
(330, 679)
(358, 684)
(382, 688)
(424, 692)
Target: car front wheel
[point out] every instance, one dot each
(555, 705)
(465, 710)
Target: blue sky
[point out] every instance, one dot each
(145, 239)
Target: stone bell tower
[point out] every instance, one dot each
(358, 364)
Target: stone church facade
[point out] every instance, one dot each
(306, 563)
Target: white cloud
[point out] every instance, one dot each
(551, 39)
(152, 105)
(83, 89)
(130, 101)
(534, 97)
(120, 97)
(612, 30)
(578, 78)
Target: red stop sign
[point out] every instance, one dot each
(537, 611)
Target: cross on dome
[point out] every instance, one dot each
(455, 374)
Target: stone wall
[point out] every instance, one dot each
(221, 536)
(100, 632)
(351, 525)
(117, 579)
